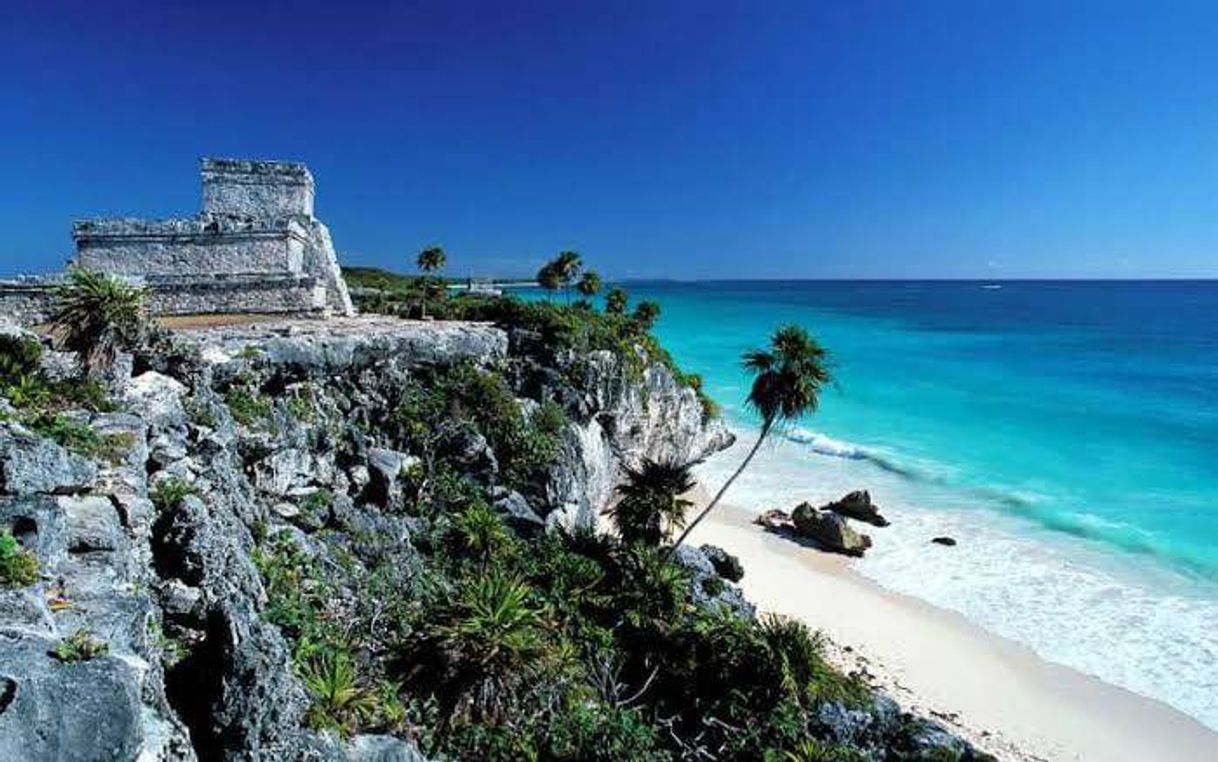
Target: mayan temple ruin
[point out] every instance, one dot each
(255, 247)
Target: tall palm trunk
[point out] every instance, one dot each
(765, 430)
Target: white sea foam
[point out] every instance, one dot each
(825, 445)
(1118, 616)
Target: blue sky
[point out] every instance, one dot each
(696, 139)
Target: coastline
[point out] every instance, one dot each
(996, 693)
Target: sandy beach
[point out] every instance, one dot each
(992, 691)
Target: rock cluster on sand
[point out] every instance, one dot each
(827, 526)
(857, 505)
(829, 530)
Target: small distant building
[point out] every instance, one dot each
(255, 247)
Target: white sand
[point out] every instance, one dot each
(992, 691)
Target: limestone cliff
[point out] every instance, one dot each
(150, 542)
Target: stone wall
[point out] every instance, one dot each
(31, 303)
(259, 189)
(25, 303)
(263, 295)
(201, 246)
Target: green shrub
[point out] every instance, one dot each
(80, 646)
(114, 448)
(812, 750)
(247, 406)
(168, 493)
(18, 566)
(479, 532)
(67, 432)
(19, 358)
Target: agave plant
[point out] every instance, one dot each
(493, 644)
(96, 315)
(650, 503)
(339, 702)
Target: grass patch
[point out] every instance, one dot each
(169, 493)
(247, 407)
(80, 646)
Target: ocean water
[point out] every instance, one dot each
(1065, 433)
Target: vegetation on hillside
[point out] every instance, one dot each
(484, 640)
(558, 327)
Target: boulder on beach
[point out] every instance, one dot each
(829, 530)
(726, 565)
(857, 505)
(775, 520)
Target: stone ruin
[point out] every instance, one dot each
(254, 248)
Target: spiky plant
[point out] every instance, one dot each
(339, 702)
(650, 502)
(492, 644)
(478, 531)
(96, 316)
(788, 377)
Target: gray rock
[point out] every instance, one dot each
(517, 512)
(845, 725)
(384, 469)
(829, 530)
(371, 748)
(93, 524)
(54, 711)
(31, 465)
(693, 559)
(39, 523)
(857, 505)
(726, 565)
(260, 705)
(470, 451)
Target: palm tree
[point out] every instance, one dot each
(560, 272)
(96, 315)
(646, 313)
(788, 378)
(430, 259)
(615, 301)
(650, 502)
(549, 278)
(589, 285)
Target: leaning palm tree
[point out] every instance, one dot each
(430, 259)
(650, 501)
(96, 315)
(589, 285)
(788, 378)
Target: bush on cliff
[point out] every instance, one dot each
(97, 315)
(18, 566)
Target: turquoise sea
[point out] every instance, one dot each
(1065, 433)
